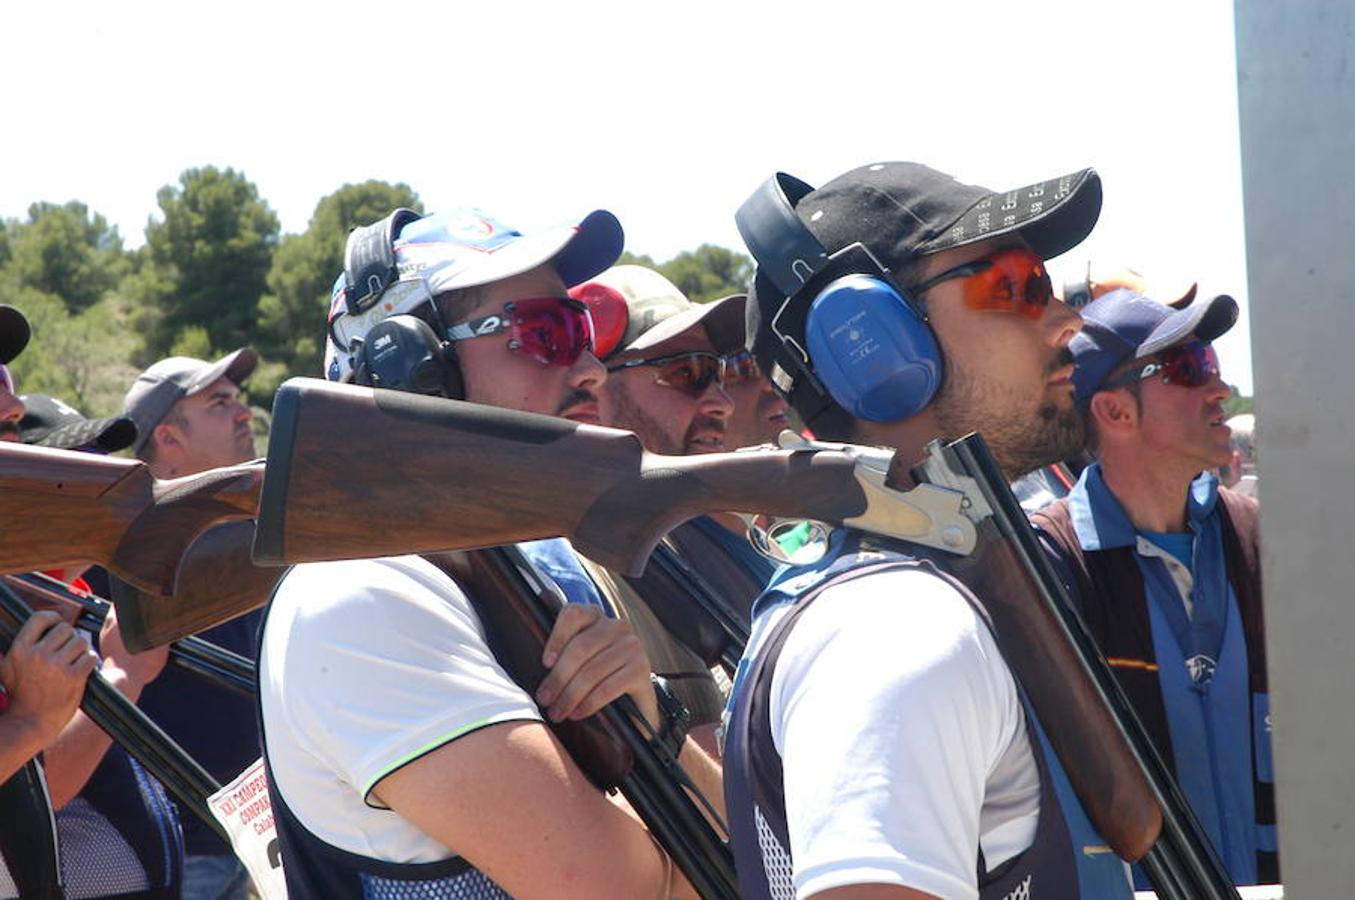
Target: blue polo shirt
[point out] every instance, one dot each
(1201, 652)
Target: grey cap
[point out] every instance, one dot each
(164, 384)
(656, 311)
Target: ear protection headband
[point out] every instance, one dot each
(845, 333)
(402, 352)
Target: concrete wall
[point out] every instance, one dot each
(1296, 90)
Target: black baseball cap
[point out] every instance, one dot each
(901, 211)
(49, 422)
(14, 333)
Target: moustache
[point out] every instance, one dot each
(576, 398)
(706, 423)
(9, 431)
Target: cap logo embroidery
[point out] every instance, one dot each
(1009, 202)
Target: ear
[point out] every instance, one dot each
(1114, 412)
(166, 435)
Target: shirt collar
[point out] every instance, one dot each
(1101, 522)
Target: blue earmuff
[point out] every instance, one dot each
(873, 353)
(845, 328)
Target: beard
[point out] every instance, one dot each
(1022, 434)
(654, 436)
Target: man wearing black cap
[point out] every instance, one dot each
(878, 744)
(1164, 561)
(50, 422)
(118, 833)
(189, 418)
(14, 334)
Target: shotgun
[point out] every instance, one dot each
(144, 741)
(223, 668)
(1031, 609)
(454, 475)
(60, 508)
(450, 475)
(614, 747)
(216, 582)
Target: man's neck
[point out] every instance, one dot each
(909, 437)
(1153, 494)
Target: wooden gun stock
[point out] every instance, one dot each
(59, 508)
(217, 581)
(447, 475)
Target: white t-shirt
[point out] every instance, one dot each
(365, 666)
(902, 739)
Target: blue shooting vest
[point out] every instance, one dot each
(316, 870)
(1197, 682)
(1067, 858)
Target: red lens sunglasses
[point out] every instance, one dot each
(1012, 280)
(1187, 365)
(554, 331)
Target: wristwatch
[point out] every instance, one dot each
(675, 715)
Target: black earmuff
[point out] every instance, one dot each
(844, 329)
(403, 352)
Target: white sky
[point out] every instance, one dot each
(669, 115)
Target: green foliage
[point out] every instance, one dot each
(1236, 405)
(632, 259)
(67, 251)
(707, 273)
(206, 263)
(292, 313)
(214, 274)
(192, 341)
(81, 358)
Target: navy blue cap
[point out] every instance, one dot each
(1125, 325)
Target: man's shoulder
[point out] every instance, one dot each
(354, 576)
(344, 595)
(872, 605)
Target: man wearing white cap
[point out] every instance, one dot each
(190, 418)
(402, 759)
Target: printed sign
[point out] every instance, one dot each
(244, 809)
